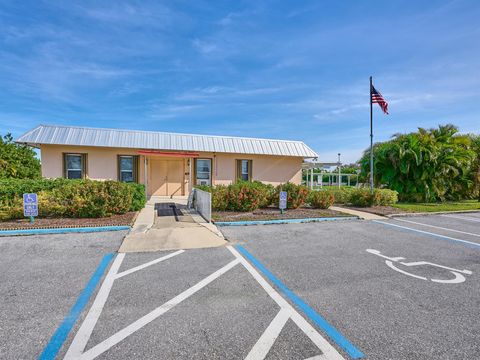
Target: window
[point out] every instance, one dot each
(74, 165)
(127, 168)
(203, 171)
(244, 170)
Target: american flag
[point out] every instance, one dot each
(377, 98)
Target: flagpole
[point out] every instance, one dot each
(371, 138)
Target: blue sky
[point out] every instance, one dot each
(275, 69)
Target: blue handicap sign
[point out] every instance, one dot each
(283, 200)
(30, 205)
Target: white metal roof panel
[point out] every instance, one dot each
(136, 139)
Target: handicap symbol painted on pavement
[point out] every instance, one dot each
(459, 278)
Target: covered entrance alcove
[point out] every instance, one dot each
(167, 173)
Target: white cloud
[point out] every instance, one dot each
(204, 47)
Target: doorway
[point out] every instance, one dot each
(166, 177)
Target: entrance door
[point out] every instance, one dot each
(165, 177)
(174, 177)
(157, 178)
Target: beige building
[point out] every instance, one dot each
(167, 163)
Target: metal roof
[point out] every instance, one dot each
(136, 139)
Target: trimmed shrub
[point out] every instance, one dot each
(219, 198)
(243, 196)
(321, 199)
(86, 198)
(10, 189)
(139, 198)
(240, 196)
(387, 196)
(342, 195)
(71, 198)
(296, 195)
(363, 197)
(266, 193)
(12, 210)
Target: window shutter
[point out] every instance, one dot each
(194, 167)
(118, 168)
(84, 166)
(250, 170)
(64, 168)
(238, 174)
(135, 168)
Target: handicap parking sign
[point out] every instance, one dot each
(283, 200)
(30, 205)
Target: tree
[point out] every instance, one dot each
(350, 168)
(17, 161)
(475, 176)
(428, 165)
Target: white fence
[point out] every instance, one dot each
(202, 202)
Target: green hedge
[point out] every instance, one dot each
(71, 198)
(240, 196)
(296, 195)
(11, 188)
(139, 198)
(249, 196)
(321, 199)
(364, 197)
(361, 197)
(342, 195)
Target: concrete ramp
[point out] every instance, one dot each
(172, 226)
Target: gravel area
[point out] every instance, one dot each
(41, 223)
(274, 213)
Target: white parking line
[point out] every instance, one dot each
(329, 352)
(83, 334)
(428, 233)
(143, 266)
(462, 218)
(259, 350)
(264, 344)
(140, 323)
(437, 227)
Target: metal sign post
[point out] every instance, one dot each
(282, 204)
(30, 206)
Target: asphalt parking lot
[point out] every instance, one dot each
(41, 279)
(404, 288)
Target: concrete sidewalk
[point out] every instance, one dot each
(361, 214)
(184, 230)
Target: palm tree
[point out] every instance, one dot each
(427, 165)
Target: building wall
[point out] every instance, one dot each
(102, 165)
(101, 162)
(265, 168)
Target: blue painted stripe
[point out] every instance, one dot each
(58, 338)
(435, 235)
(63, 230)
(283, 221)
(323, 324)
